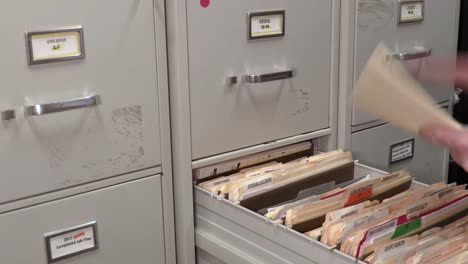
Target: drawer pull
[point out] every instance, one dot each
(43, 109)
(8, 114)
(411, 55)
(268, 77)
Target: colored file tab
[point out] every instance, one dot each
(407, 228)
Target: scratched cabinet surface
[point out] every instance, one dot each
(120, 239)
(228, 117)
(48, 152)
(378, 20)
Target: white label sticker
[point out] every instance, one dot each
(379, 230)
(52, 45)
(401, 151)
(260, 182)
(394, 248)
(267, 24)
(71, 243)
(411, 11)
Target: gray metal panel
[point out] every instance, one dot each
(60, 150)
(205, 258)
(227, 118)
(165, 126)
(180, 131)
(236, 235)
(47, 197)
(377, 21)
(129, 219)
(372, 147)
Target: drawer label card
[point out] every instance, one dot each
(401, 151)
(71, 242)
(411, 11)
(55, 45)
(266, 24)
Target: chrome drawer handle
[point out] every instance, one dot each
(268, 77)
(8, 114)
(43, 109)
(411, 55)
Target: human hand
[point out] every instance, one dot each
(455, 139)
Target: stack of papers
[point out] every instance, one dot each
(437, 245)
(360, 229)
(311, 215)
(269, 184)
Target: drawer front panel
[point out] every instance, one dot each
(74, 142)
(226, 116)
(389, 149)
(129, 226)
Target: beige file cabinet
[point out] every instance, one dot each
(219, 113)
(84, 118)
(234, 94)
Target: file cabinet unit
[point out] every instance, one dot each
(416, 32)
(84, 105)
(246, 76)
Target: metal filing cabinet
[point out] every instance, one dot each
(416, 32)
(220, 114)
(246, 76)
(116, 129)
(84, 125)
(245, 91)
(124, 233)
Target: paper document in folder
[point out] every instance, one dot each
(387, 90)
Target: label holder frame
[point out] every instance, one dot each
(29, 48)
(250, 15)
(400, 5)
(392, 162)
(49, 236)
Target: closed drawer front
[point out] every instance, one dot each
(129, 226)
(226, 116)
(378, 21)
(389, 149)
(42, 153)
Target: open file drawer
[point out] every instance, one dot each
(234, 234)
